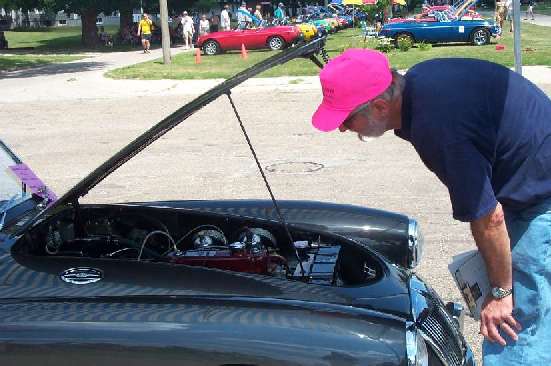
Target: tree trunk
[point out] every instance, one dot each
(89, 30)
(125, 15)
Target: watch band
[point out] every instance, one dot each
(500, 293)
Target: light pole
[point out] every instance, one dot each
(165, 34)
(516, 35)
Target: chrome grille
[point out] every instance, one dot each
(441, 332)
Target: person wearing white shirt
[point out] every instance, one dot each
(187, 29)
(225, 18)
(204, 25)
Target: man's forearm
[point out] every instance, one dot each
(492, 240)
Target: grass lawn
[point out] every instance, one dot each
(51, 40)
(46, 46)
(14, 62)
(535, 44)
(542, 8)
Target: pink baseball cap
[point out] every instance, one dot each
(354, 78)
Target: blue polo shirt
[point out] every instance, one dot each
(484, 130)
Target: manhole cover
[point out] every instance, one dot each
(294, 167)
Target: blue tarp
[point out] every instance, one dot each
(247, 14)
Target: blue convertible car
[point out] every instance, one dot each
(443, 25)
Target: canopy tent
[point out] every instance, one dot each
(353, 3)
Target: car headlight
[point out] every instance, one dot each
(416, 242)
(416, 348)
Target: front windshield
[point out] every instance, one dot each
(11, 189)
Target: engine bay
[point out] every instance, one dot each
(191, 238)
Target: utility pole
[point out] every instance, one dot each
(516, 34)
(165, 34)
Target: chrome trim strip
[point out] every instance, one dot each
(411, 343)
(413, 236)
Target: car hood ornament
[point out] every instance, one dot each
(81, 275)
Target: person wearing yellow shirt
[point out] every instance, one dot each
(144, 30)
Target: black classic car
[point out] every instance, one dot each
(228, 282)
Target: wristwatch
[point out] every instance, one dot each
(499, 293)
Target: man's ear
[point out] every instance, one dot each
(380, 108)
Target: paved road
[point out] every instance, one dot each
(66, 120)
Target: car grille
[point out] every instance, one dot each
(443, 335)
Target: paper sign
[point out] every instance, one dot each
(461, 29)
(469, 272)
(33, 183)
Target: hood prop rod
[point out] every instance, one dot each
(280, 216)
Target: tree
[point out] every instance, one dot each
(371, 10)
(88, 11)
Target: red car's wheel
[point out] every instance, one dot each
(276, 43)
(211, 47)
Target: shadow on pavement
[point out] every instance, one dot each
(54, 69)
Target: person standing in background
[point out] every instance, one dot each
(530, 10)
(500, 13)
(279, 13)
(242, 18)
(187, 30)
(258, 13)
(214, 23)
(204, 25)
(225, 18)
(144, 31)
(509, 6)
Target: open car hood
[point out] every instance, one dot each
(307, 50)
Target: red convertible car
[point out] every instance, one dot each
(275, 38)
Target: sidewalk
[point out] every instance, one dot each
(81, 79)
(543, 20)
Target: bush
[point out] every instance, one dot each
(384, 44)
(424, 46)
(404, 43)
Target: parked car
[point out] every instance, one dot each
(309, 31)
(221, 282)
(272, 37)
(440, 27)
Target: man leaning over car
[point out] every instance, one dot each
(485, 131)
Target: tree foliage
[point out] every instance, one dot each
(373, 10)
(20, 4)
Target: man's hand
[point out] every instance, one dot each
(496, 316)
(492, 240)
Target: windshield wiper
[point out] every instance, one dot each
(4, 210)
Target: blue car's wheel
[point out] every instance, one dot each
(480, 37)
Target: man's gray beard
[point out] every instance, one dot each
(377, 129)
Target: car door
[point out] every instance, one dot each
(256, 38)
(457, 31)
(233, 39)
(443, 29)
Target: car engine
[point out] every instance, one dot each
(266, 250)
